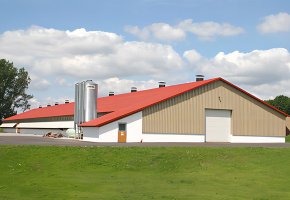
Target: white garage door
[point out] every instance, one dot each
(218, 125)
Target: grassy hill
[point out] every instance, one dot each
(34, 172)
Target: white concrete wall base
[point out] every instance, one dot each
(256, 139)
(172, 138)
(90, 139)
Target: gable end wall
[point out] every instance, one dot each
(185, 114)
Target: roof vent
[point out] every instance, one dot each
(66, 101)
(111, 93)
(162, 84)
(199, 77)
(133, 89)
(40, 106)
(56, 103)
(48, 105)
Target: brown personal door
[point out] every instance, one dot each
(122, 134)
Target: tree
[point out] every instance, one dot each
(13, 85)
(281, 102)
(288, 108)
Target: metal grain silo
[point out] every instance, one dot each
(91, 90)
(85, 103)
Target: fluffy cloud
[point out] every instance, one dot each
(82, 53)
(159, 31)
(119, 86)
(192, 56)
(263, 72)
(209, 30)
(275, 23)
(38, 83)
(165, 32)
(56, 58)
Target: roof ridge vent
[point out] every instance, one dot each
(133, 89)
(162, 83)
(199, 77)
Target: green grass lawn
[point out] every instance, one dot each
(35, 172)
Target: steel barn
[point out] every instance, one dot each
(213, 110)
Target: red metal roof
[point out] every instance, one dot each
(135, 102)
(52, 111)
(124, 105)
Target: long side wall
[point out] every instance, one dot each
(185, 114)
(39, 131)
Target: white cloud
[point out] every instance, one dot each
(64, 82)
(119, 86)
(143, 34)
(56, 58)
(52, 100)
(209, 30)
(263, 72)
(38, 83)
(159, 31)
(275, 23)
(192, 56)
(164, 31)
(203, 30)
(82, 53)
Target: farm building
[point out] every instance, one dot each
(211, 110)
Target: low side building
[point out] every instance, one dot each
(40, 121)
(8, 127)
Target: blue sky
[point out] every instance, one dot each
(262, 52)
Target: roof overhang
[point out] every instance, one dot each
(8, 125)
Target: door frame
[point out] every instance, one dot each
(231, 125)
(124, 131)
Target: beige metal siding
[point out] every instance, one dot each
(185, 114)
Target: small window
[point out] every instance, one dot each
(122, 127)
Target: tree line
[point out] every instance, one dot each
(13, 89)
(281, 102)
